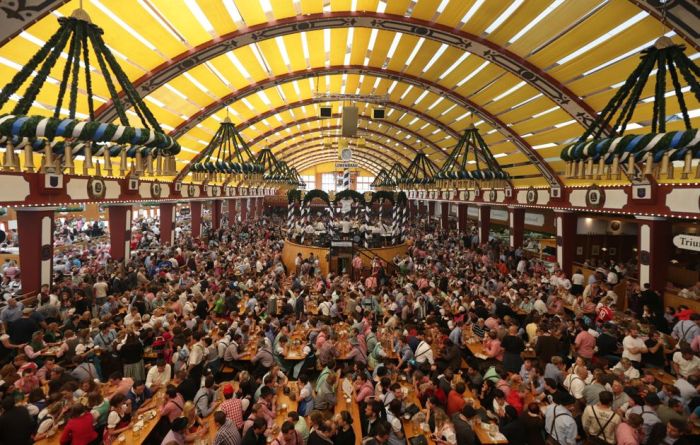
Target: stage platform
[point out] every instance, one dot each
(291, 249)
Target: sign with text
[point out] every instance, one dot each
(687, 242)
(345, 165)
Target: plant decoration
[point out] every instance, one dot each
(63, 138)
(603, 147)
(227, 157)
(454, 173)
(420, 173)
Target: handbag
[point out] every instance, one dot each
(418, 440)
(412, 410)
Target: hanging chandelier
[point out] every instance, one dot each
(381, 181)
(420, 173)
(227, 157)
(454, 172)
(597, 154)
(61, 138)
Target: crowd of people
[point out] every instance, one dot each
(168, 332)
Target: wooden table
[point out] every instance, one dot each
(130, 436)
(352, 407)
(662, 376)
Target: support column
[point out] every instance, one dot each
(196, 218)
(215, 215)
(431, 210)
(120, 232)
(516, 222)
(261, 207)
(35, 230)
(244, 210)
(484, 224)
(653, 251)
(566, 239)
(445, 215)
(232, 212)
(412, 210)
(462, 213)
(167, 223)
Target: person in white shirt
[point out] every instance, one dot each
(624, 367)
(424, 352)
(158, 376)
(576, 382)
(686, 363)
(633, 346)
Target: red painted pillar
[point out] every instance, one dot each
(431, 209)
(412, 210)
(261, 207)
(445, 215)
(216, 215)
(253, 211)
(196, 218)
(167, 223)
(462, 212)
(516, 222)
(231, 212)
(35, 229)
(653, 249)
(244, 210)
(120, 232)
(484, 224)
(566, 239)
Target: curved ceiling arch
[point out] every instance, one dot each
(386, 159)
(532, 155)
(319, 159)
(400, 156)
(388, 104)
(315, 147)
(414, 136)
(312, 153)
(679, 16)
(462, 40)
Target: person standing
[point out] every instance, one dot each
(600, 421)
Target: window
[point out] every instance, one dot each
(310, 181)
(363, 183)
(328, 182)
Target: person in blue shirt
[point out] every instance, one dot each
(139, 395)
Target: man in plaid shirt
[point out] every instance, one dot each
(227, 434)
(232, 407)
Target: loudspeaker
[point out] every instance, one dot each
(349, 121)
(378, 114)
(325, 112)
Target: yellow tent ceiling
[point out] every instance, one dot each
(586, 46)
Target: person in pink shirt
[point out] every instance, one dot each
(363, 388)
(492, 347)
(628, 432)
(492, 323)
(584, 343)
(121, 385)
(172, 409)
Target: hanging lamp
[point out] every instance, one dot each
(60, 139)
(420, 173)
(454, 173)
(381, 180)
(228, 157)
(596, 154)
